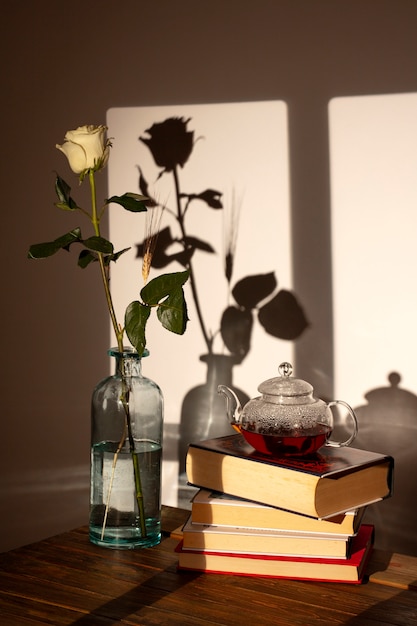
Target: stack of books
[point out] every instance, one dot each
(295, 517)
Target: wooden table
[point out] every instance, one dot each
(67, 580)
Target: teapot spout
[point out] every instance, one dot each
(233, 406)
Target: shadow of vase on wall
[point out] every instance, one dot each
(203, 414)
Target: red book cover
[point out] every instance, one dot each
(350, 570)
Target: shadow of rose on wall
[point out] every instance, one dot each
(278, 311)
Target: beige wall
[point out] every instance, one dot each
(64, 64)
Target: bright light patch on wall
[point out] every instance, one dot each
(373, 152)
(240, 150)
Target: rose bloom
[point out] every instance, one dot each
(86, 148)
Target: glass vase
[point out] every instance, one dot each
(126, 454)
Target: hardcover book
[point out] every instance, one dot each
(332, 481)
(261, 541)
(220, 509)
(349, 570)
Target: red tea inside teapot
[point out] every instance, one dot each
(282, 444)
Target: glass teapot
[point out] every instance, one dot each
(287, 420)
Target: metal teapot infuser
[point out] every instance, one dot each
(286, 420)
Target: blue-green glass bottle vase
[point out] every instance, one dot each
(126, 455)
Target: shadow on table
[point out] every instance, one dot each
(402, 607)
(403, 603)
(137, 600)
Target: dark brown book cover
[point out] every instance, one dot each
(349, 570)
(332, 481)
(327, 461)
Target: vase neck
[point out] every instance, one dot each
(219, 369)
(128, 363)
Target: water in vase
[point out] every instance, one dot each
(114, 516)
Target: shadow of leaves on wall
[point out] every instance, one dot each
(278, 310)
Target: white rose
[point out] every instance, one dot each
(86, 148)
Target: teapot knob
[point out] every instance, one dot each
(285, 369)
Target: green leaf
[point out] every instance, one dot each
(66, 240)
(63, 191)
(162, 286)
(172, 312)
(98, 244)
(85, 258)
(130, 201)
(64, 206)
(136, 316)
(44, 250)
(114, 257)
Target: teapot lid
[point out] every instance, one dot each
(286, 387)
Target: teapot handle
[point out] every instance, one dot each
(233, 406)
(351, 413)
